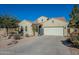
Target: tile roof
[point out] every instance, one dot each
(61, 19)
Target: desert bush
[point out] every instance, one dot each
(27, 35)
(17, 37)
(75, 41)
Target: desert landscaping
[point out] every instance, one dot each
(10, 41)
(43, 36)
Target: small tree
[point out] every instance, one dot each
(8, 22)
(74, 23)
(34, 29)
(74, 15)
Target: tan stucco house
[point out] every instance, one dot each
(52, 26)
(46, 26)
(55, 26)
(27, 27)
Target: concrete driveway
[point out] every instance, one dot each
(43, 45)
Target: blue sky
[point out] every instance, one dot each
(33, 11)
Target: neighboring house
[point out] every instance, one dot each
(27, 27)
(54, 26)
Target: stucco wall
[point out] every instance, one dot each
(29, 27)
(54, 22)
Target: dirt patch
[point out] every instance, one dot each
(74, 51)
(7, 43)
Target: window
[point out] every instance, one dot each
(42, 20)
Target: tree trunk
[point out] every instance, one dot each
(7, 30)
(33, 33)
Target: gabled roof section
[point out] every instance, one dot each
(43, 16)
(54, 22)
(61, 19)
(36, 21)
(25, 21)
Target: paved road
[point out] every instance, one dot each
(43, 45)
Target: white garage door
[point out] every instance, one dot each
(53, 31)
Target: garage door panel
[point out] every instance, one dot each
(53, 31)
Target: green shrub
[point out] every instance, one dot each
(75, 41)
